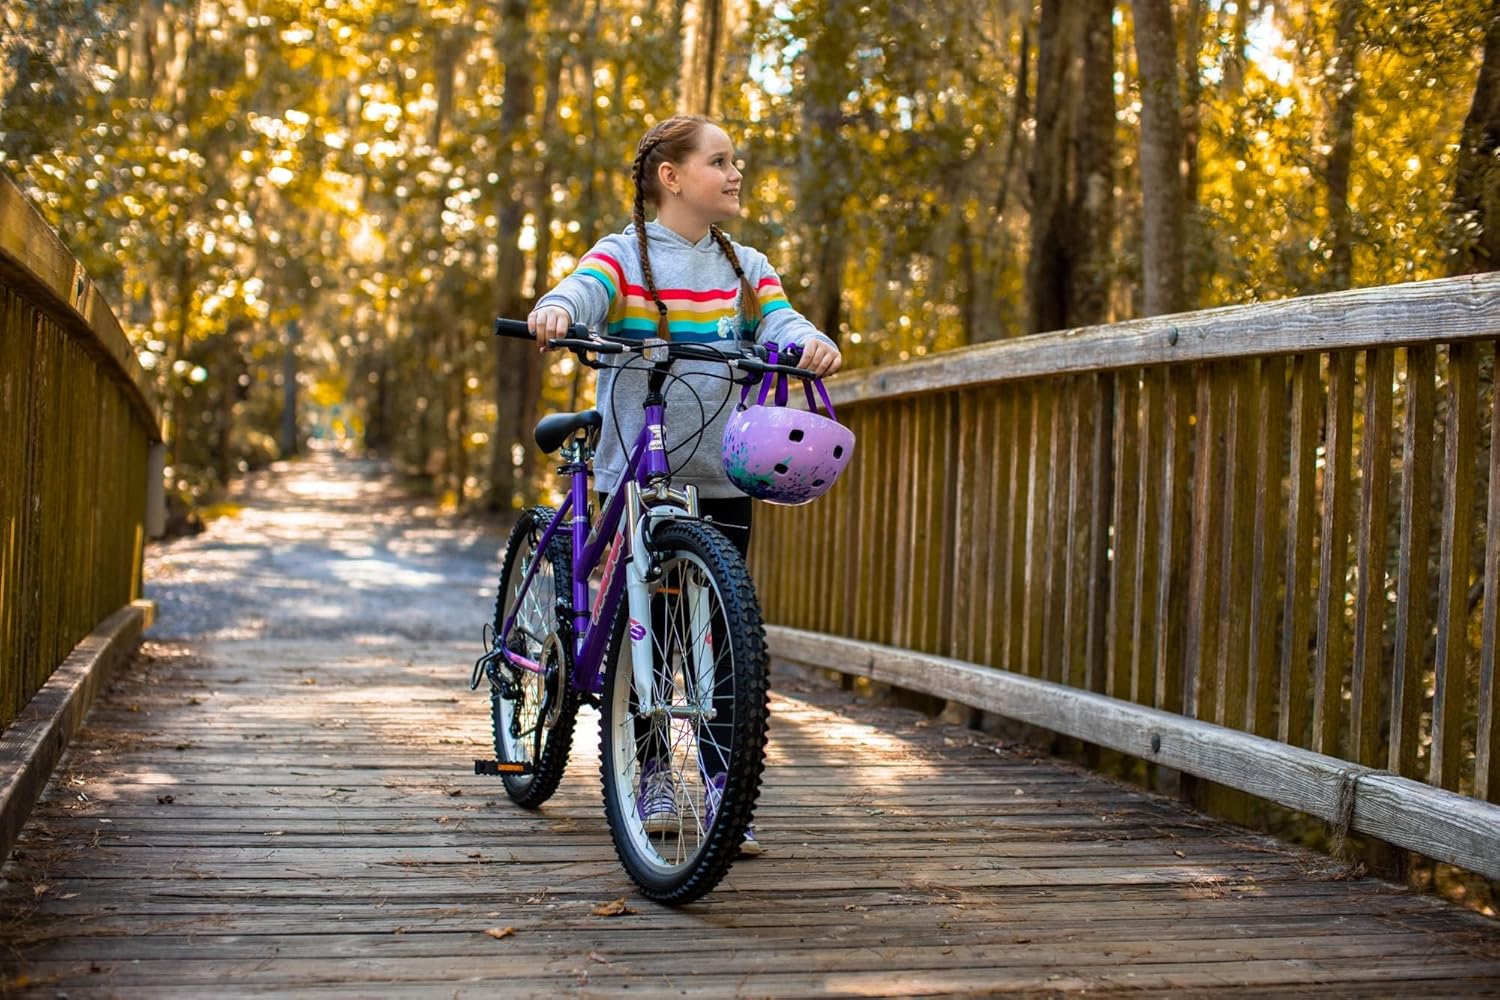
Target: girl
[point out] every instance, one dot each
(679, 277)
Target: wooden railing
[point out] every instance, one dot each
(1272, 518)
(77, 428)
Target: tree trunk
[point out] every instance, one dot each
(1234, 52)
(514, 359)
(704, 27)
(1476, 185)
(1160, 157)
(1058, 41)
(823, 168)
(1345, 79)
(442, 326)
(542, 193)
(1072, 169)
(289, 435)
(1093, 196)
(1194, 250)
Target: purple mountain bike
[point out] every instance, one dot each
(670, 648)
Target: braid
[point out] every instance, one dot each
(663, 328)
(748, 296)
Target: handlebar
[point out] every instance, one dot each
(580, 341)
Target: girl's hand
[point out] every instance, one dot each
(548, 324)
(820, 356)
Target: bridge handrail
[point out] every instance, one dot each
(1441, 310)
(78, 422)
(1269, 518)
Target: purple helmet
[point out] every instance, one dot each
(784, 455)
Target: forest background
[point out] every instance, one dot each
(306, 214)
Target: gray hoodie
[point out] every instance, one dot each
(607, 293)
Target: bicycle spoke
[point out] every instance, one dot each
(533, 713)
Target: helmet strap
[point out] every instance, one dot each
(779, 380)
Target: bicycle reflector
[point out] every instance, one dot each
(780, 454)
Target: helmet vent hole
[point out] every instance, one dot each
(817, 482)
(796, 435)
(781, 468)
(838, 451)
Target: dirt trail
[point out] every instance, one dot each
(326, 548)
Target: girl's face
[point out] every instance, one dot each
(707, 181)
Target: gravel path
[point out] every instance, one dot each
(325, 548)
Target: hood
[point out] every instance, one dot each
(660, 237)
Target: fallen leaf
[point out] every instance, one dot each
(309, 680)
(1179, 854)
(855, 908)
(596, 957)
(41, 889)
(274, 833)
(68, 895)
(613, 908)
(500, 932)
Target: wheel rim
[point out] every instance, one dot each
(676, 754)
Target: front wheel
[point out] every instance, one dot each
(682, 762)
(533, 710)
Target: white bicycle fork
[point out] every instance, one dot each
(643, 651)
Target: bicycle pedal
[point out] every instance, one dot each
(501, 767)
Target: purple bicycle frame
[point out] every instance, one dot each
(648, 463)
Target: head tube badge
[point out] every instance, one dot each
(637, 630)
(658, 441)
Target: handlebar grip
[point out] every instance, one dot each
(513, 328)
(519, 329)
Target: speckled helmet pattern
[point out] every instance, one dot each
(781, 454)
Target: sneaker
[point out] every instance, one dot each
(656, 803)
(713, 794)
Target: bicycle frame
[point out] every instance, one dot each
(647, 467)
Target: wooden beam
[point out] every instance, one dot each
(1421, 312)
(1437, 823)
(33, 743)
(34, 261)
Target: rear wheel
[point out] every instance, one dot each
(681, 776)
(533, 710)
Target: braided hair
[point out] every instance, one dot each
(671, 141)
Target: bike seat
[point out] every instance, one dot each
(555, 428)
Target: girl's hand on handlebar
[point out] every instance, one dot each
(549, 323)
(820, 357)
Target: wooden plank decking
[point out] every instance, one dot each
(293, 815)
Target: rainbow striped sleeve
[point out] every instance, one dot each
(604, 269)
(772, 298)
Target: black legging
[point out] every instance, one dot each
(731, 515)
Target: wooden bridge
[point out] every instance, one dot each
(1140, 536)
